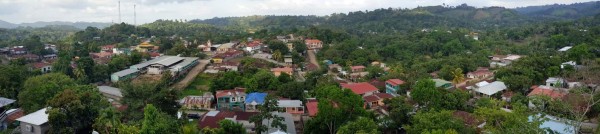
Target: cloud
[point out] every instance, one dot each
(150, 10)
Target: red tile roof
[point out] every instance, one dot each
(284, 69)
(357, 67)
(312, 41)
(213, 121)
(232, 92)
(377, 97)
(312, 107)
(15, 115)
(395, 82)
(360, 88)
(253, 44)
(38, 65)
(542, 90)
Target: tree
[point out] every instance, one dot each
(500, 121)
(230, 127)
(458, 76)
(336, 107)
(292, 90)
(156, 122)
(39, 89)
(399, 112)
(299, 47)
(426, 95)
(74, 110)
(442, 120)
(361, 125)
(137, 95)
(277, 56)
(268, 112)
(108, 121)
(12, 80)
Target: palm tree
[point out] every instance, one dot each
(458, 76)
(108, 121)
(277, 55)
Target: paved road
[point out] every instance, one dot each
(191, 75)
(266, 57)
(313, 59)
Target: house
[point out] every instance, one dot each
(312, 44)
(556, 124)
(393, 85)
(503, 60)
(568, 63)
(198, 102)
(220, 58)
(231, 99)
(439, 83)
(551, 92)
(312, 106)
(253, 100)
(225, 47)
(35, 123)
(118, 51)
(205, 47)
(279, 71)
(356, 69)
(293, 107)
(376, 100)
(41, 66)
(102, 54)
(114, 94)
(564, 49)
(228, 66)
(4, 112)
(124, 75)
(288, 121)
(107, 48)
(556, 82)
(288, 60)
(363, 89)
(18, 50)
(488, 89)
(253, 46)
(480, 74)
(49, 56)
(10, 116)
(211, 119)
(28, 57)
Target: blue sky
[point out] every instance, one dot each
(19, 11)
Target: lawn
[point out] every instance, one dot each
(198, 86)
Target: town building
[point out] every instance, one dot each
(486, 89)
(293, 107)
(393, 85)
(356, 69)
(543, 90)
(376, 100)
(107, 48)
(439, 83)
(198, 102)
(313, 44)
(145, 47)
(35, 123)
(363, 89)
(211, 119)
(481, 73)
(231, 99)
(112, 93)
(18, 50)
(279, 71)
(178, 66)
(288, 121)
(205, 47)
(312, 107)
(253, 100)
(225, 47)
(43, 67)
(253, 46)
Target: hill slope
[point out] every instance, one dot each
(562, 11)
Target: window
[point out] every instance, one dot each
(300, 109)
(293, 109)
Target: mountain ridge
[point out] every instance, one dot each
(39, 24)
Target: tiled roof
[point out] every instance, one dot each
(284, 69)
(377, 97)
(211, 119)
(547, 91)
(232, 92)
(360, 88)
(395, 82)
(312, 41)
(312, 107)
(39, 65)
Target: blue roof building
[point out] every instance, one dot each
(254, 99)
(555, 124)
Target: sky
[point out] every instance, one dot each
(25, 11)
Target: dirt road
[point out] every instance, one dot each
(313, 58)
(191, 75)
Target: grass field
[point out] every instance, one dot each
(198, 86)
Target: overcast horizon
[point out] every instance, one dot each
(29, 11)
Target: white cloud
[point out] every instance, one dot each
(18, 11)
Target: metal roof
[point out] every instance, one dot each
(492, 88)
(289, 103)
(5, 101)
(125, 72)
(110, 90)
(36, 118)
(168, 60)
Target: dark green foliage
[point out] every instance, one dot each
(74, 110)
(39, 89)
(444, 120)
(156, 122)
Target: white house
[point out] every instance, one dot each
(35, 123)
(488, 89)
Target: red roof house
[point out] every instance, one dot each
(363, 88)
(547, 91)
(312, 107)
(357, 68)
(395, 82)
(376, 100)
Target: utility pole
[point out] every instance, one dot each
(134, 16)
(120, 12)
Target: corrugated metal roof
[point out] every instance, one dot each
(125, 72)
(5, 101)
(168, 60)
(492, 88)
(289, 103)
(36, 118)
(110, 90)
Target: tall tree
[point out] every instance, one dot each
(108, 121)
(361, 125)
(74, 110)
(458, 76)
(336, 107)
(424, 121)
(156, 122)
(425, 94)
(39, 89)
(268, 112)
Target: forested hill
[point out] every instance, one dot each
(562, 11)
(39, 24)
(383, 20)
